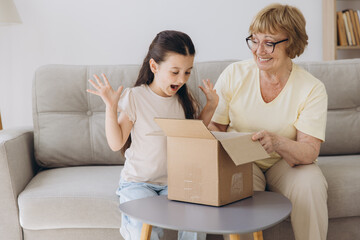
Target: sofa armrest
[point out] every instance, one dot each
(17, 168)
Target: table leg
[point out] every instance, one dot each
(234, 237)
(258, 235)
(146, 232)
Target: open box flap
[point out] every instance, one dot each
(191, 128)
(241, 148)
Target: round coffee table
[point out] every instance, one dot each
(254, 214)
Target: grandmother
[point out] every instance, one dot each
(285, 107)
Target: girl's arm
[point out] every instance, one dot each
(211, 103)
(213, 126)
(117, 129)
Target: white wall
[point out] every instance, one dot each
(119, 32)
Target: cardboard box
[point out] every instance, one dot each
(211, 168)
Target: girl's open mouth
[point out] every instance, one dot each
(174, 87)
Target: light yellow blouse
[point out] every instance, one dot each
(301, 105)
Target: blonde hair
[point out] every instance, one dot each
(277, 18)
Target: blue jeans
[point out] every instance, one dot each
(131, 228)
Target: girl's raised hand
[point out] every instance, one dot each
(210, 93)
(105, 91)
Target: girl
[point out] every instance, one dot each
(160, 91)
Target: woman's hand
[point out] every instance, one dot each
(304, 150)
(210, 93)
(105, 91)
(268, 140)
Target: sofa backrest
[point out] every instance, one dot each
(69, 122)
(342, 82)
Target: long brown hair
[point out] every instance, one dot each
(164, 43)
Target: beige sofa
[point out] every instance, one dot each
(58, 180)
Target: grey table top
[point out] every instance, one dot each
(261, 211)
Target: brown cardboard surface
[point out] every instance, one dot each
(242, 149)
(239, 146)
(192, 170)
(235, 182)
(191, 128)
(208, 168)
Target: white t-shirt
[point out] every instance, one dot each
(146, 158)
(301, 104)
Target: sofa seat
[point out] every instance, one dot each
(73, 197)
(343, 178)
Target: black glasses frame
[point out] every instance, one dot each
(272, 43)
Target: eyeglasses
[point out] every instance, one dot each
(268, 46)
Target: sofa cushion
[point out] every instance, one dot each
(205, 70)
(342, 82)
(75, 197)
(69, 122)
(342, 175)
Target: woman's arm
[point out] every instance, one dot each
(117, 129)
(304, 150)
(212, 100)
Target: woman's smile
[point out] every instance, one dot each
(261, 60)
